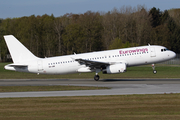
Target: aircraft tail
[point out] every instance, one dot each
(18, 51)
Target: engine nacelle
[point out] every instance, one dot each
(116, 68)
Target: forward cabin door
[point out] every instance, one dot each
(40, 65)
(152, 52)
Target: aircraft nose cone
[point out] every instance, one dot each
(173, 54)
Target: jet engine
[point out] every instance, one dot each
(116, 68)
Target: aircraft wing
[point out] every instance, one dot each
(93, 64)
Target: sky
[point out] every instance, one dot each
(20, 8)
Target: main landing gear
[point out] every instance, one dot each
(153, 67)
(96, 77)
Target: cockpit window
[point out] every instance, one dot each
(165, 49)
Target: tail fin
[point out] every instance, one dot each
(18, 51)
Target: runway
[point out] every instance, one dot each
(118, 87)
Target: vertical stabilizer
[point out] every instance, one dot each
(18, 51)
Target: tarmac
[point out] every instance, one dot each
(117, 87)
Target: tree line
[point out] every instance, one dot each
(47, 35)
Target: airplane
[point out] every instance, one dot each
(109, 61)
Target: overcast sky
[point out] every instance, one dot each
(20, 8)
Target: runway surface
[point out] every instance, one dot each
(118, 87)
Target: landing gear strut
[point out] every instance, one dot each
(153, 67)
(96, 77)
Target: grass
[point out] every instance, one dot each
(46, 88)
(132, 72)
(124, 107)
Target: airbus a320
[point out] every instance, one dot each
(109, 62)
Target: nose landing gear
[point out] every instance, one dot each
(153, 67)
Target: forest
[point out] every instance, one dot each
(47, 36)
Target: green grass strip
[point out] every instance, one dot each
(46, 88)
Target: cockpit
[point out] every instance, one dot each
(164, 49)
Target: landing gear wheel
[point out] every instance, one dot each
(96, 77)
(153, 67)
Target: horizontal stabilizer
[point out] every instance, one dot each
(17, 65)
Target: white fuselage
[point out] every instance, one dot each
(66, 64)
